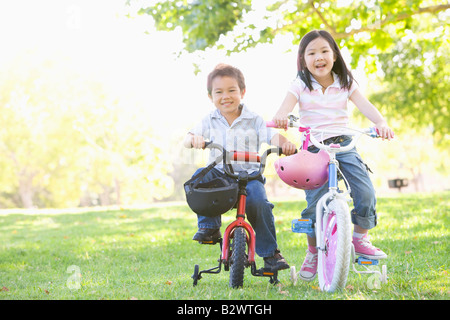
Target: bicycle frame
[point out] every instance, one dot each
(239, 222)
(332, 150)
(243, 178)
(322, 209)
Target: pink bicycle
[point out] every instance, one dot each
(333, 224)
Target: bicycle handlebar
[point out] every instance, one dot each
(228, 156)
(372, 132)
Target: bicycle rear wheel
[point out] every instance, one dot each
(334, 259)
(238, 257)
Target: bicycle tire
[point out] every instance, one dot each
(334, 261)
(238, 257)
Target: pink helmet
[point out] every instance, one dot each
(304, 170)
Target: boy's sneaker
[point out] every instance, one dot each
(364, 248)
(209, 236)
(276, 262)
(309, 267)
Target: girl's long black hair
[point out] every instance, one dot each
(339, 66)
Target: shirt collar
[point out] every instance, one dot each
(337, 82)
(245, 113)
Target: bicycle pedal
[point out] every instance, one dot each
(302, 226)
(267, 272)
(210, 242)
(206, 242)
(263, 272)
(367, 262)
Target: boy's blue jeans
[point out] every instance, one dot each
(258, 212)
(362, 191)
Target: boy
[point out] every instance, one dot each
(235, 127)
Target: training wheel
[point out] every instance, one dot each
(294, 276)
(196, 276)
(383, 275)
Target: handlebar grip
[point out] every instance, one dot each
(373, 132)
(271, 124)
(279, 151)
(207, 143)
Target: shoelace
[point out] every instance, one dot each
(310, 260)
(365, 242)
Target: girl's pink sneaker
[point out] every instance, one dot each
(364, 248)
(309, 267)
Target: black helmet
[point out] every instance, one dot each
(211, 198)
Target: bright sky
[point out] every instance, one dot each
(101, 41)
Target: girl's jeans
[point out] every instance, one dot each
(362, 191)
(258, 211)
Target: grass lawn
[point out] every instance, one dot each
(148, 254)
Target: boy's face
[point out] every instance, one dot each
(226, 96)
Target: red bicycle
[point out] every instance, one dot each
(238, 243)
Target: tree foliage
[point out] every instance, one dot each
(415, 83)
(404, 42)
(66, 140)
(202, 22)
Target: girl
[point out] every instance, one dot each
(322, 88)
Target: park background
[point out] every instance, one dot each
(96, 96)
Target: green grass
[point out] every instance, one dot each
(148, 254)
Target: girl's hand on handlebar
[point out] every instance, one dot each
(281, 121)
(384, 131)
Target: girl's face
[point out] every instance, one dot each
(319, 58)
(226, 96)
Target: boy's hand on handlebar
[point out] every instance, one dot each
(288, 148)
(198, 142)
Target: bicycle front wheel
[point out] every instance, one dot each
(238, 257)
(334, 258)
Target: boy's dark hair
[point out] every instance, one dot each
(225, 70)
(339, 67)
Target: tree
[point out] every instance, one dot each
(35, 128)
(415, 82)
(202, 22)
(64, 135)
(361, 25)
(392, 38)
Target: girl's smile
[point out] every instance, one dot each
(319, 58)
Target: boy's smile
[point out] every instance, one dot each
(226, 96)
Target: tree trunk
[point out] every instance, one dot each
(26, 191)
